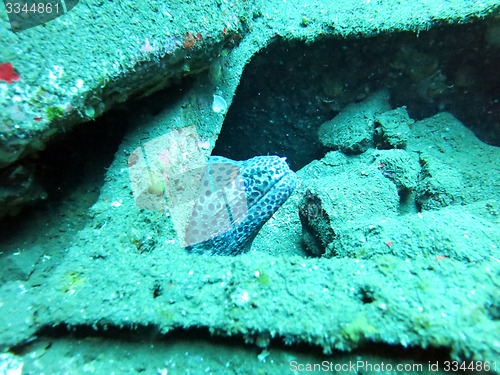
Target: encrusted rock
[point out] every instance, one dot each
(429, 201)
(457, 168)
(351, 131)
(401, 167)
(440, 185)
(342, 199)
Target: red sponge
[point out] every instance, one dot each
(7, 73)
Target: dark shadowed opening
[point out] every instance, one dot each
(290, 88)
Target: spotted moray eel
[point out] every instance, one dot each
(236, 198)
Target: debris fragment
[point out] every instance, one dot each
(219, 105)
(146, 47)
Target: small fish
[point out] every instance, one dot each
(236, 198)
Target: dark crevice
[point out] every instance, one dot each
(72, 168)
(71, 171)
(407, 202)
(288, 90)
(152, 334)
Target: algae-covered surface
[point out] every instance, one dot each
(385, 255)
